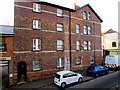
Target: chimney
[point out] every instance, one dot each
(76, 6)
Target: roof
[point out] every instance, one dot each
(47, 3)
(110, 31)
(64, 72)
(6, 30)
(92, 11)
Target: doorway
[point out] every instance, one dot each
(4, 70)
(22, 72)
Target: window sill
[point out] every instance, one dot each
(36, 28)
(36, 70)
(36, 50)
(37, 11)
(3, 52)
(60, 50)
(60, 16)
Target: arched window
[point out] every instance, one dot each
(84, 15)
(113, 44)
(89, 16)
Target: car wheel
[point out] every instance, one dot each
(63, 85)
(96, 75)
(80, 80)
(118, 68)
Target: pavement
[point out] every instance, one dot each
(41, 83)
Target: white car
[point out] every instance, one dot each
(65, 77)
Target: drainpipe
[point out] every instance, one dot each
(70, 40)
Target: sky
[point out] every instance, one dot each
(106, 9)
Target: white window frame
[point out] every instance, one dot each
(36, 7)
(60, 62)
(77, 28)
(85, 45)
(78, 60)
(60, 12)
(89, 45)
(60, 27)
(89, 16)
(77, 45)
(85, 29)
(60, 45)
(84, 15)
(89, 30)
(36, 24)
(36, 44)
(36, 64)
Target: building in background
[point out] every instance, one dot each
(110, 42)
(6, 52)
(49, 38)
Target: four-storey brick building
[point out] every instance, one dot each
(49, 38)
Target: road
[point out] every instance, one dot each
(102, 82)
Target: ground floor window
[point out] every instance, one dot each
(92, 58)
(60, 62)
(36, 65)
(78, 60)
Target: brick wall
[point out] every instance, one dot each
(48, 55)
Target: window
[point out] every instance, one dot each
(36, 24)
(89, 16)
(36, 44)
(36, 7)
(60, 62)
(85, 29)
(78, 60)
(91, 59)
(59, 12)
(84, 15)
(59, 44)
(89, 30)
(77, 28)
(60, 27)
(2, 45)
(77, 45)
(87, 45)
(113, 44)
(36, 65)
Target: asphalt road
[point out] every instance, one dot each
(101, 83)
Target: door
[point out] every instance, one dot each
(4, 80)
(22, 72)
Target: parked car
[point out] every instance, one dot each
(66, 77)
(96, 70)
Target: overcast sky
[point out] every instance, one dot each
(106, 9)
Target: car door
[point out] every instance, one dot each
(68, 78)
(102, 70)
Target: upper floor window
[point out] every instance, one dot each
(36, 44)
(89, 30)
(60, 62)
(36, 65)
(84, 15)
(77, 45)
(36, 24)
(60, 45)
(87, 45)
(114, 44)
(36, 7)
(85, 29)
(2, 44)
(77, 28)
(89, 16)
(60, 27)
(59, 12)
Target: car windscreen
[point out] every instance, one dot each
(57, 76)
(91, 68)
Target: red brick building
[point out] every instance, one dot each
(6, 54)
(49, 38)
